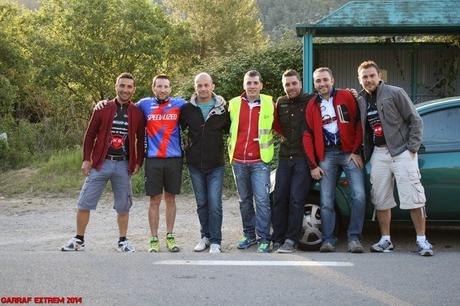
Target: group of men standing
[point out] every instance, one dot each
(321, 134)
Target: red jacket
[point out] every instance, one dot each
(97, 137)
(247, 147)
(348, 122)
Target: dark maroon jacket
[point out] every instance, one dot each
(97, 137)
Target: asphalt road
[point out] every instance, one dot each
(106, 277)
(33, 270)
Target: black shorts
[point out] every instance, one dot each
(163, 173)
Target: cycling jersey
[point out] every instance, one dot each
(162, 126)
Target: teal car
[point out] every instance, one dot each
(439, 162)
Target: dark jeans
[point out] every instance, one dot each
(207, 187)
(291, 190)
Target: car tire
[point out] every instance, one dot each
(310, 239)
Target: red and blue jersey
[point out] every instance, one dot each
(162, 126)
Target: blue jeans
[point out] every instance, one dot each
(207, 186)
(253, 184)
(291, 190)
(334, 160)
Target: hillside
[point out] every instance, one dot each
(277, 16)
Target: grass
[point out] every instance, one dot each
(61, 173)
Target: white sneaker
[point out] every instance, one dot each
(425, 248)
(202, 245)
(125, 247)
(214, 249)
(74, 244)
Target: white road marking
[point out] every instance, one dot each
(255, 263)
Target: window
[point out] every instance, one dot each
(441, 129)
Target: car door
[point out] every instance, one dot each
(439, 160)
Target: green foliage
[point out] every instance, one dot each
(56, 61)
(228, 72)
(14, 67)
(63, 162)
(137, 183)
(83, 45)
(220, 27)
(29, 142)
(60, 172)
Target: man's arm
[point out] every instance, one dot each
(308, 140)
(276, 124)
(140, 139)
(358, 141)
(88, 142)
(410, 115)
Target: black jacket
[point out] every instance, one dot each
(291, 121)
(204, 147)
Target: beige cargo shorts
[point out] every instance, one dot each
(403, 169)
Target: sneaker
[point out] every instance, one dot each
(264, 247)
(355, 246)
(425, 248)
(246, 242)
(214, 249)
(74, 244)
(287, 247)
(125, 246)
(171, 243)
(383, 246)
(202, 245)
(276, 246)
(154, 244)
(327, 247)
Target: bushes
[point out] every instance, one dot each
(29, 142)
(228, 72)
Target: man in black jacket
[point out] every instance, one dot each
(292, 175)
(205, 120)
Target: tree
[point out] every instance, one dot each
(228, 72)
(220, 27)
(14, 68)
(82, 45)
(57, 60)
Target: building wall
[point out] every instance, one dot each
(432, 65)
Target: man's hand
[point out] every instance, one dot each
(354, 92)
(85, 167)
(317, 173)
(356, 158)
(282, 138)
(100, 105)
(136, 169)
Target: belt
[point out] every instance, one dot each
(116, 157)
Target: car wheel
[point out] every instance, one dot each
(310, 239)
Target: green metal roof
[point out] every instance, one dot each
(388, 17)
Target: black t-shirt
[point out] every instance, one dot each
(119, 134)
(373, 121)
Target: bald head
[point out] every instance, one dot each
(203, 76)
(204, 87)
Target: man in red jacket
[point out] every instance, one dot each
(113, 149)
(332, 141)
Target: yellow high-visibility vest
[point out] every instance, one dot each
(264, 127)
